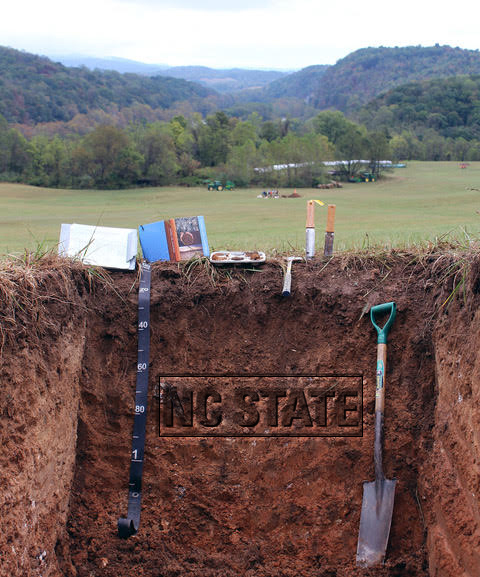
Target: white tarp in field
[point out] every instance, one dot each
(99, 245)
(326, 163)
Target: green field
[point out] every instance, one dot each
(410, 206)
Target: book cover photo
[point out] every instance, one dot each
(188, 237)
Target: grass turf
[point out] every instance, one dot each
(410, 206)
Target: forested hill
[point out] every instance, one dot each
(301, 84)
(448, 106)
(34, 89)
(364, 74)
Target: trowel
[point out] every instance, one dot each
(287, 281)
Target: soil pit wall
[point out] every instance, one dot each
(238, 506)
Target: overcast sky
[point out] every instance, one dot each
(276, 34)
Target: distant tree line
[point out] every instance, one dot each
(186, 150)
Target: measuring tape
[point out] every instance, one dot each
(129, 526)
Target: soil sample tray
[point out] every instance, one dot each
(237, 257)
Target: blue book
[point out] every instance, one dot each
(175, 239)
(153, 239)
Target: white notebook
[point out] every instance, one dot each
(99, 245)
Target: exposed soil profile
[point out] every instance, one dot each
(231, 507)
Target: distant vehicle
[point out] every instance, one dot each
(218, 185)
(363, 177)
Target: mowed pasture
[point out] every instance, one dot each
(410, 206)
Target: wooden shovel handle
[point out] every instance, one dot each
(380, 380)
(379, 409)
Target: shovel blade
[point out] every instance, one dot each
(375, 522)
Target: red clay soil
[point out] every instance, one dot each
(231, 507)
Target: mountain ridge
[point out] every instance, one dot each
(366, 73)
(223, 80)
(34, 89)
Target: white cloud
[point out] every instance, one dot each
(227, 33)
(206, 5)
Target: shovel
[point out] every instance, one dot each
(378, 496)
(287, 282)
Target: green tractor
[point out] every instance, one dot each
(363, 177)
(218, 185)
(368, 177)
